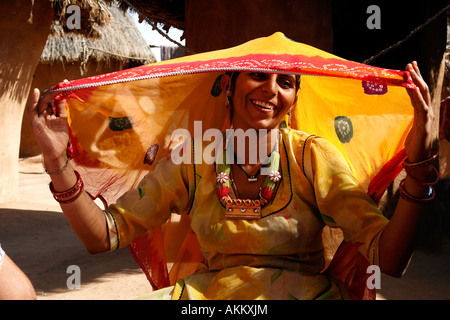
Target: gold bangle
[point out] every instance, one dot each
(423, 163)
(59, 170)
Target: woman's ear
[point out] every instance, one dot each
(225, 84)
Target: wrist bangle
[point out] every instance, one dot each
(426, 162)
(73, 198)
(71, 194)
(424, 183)
(59, 170)
(408, 197)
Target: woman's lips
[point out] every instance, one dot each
(263, 104)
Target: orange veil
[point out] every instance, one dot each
(121, 125)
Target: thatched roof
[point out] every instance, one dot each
(170, 13)
(119, 39)
(94, 13)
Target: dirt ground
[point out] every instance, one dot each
(35, 234)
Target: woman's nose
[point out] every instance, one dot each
(270, 86)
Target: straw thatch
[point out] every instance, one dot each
(94, 14)
(119, 39)
(168, 13)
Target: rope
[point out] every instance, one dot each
(413, 32)
(156, 28)
(116, 54)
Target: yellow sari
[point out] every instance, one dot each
(121, 130)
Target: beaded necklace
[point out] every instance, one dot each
(247, 209)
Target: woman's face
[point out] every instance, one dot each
(262, 100)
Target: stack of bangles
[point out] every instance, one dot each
(410, 167)
(71, 194)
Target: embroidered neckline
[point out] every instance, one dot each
(248, 209)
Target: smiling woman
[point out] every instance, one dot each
(260, 100)
(241, 228)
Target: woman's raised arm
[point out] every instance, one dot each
(398, 239)
(50, 126)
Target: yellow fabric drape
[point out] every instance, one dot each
(122, 123)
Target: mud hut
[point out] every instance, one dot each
(70, 55)
(25, 29)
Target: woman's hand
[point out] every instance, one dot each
(418, 144)
(52, 133)
(51, 130)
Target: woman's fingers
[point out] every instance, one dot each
(45, 100)
(419, 82)
(418, 100)
(33, 102)
(416, 68)
(419, 96)
(38, 104)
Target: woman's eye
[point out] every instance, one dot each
(259, 75)
(286, 83)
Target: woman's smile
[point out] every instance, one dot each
(265, 105)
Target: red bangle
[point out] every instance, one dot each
(406, 196)
(71, 199)
(67, 196)
(423, 183)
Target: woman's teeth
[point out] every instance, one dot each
(264, 104)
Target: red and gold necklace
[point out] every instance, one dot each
(247, 209)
